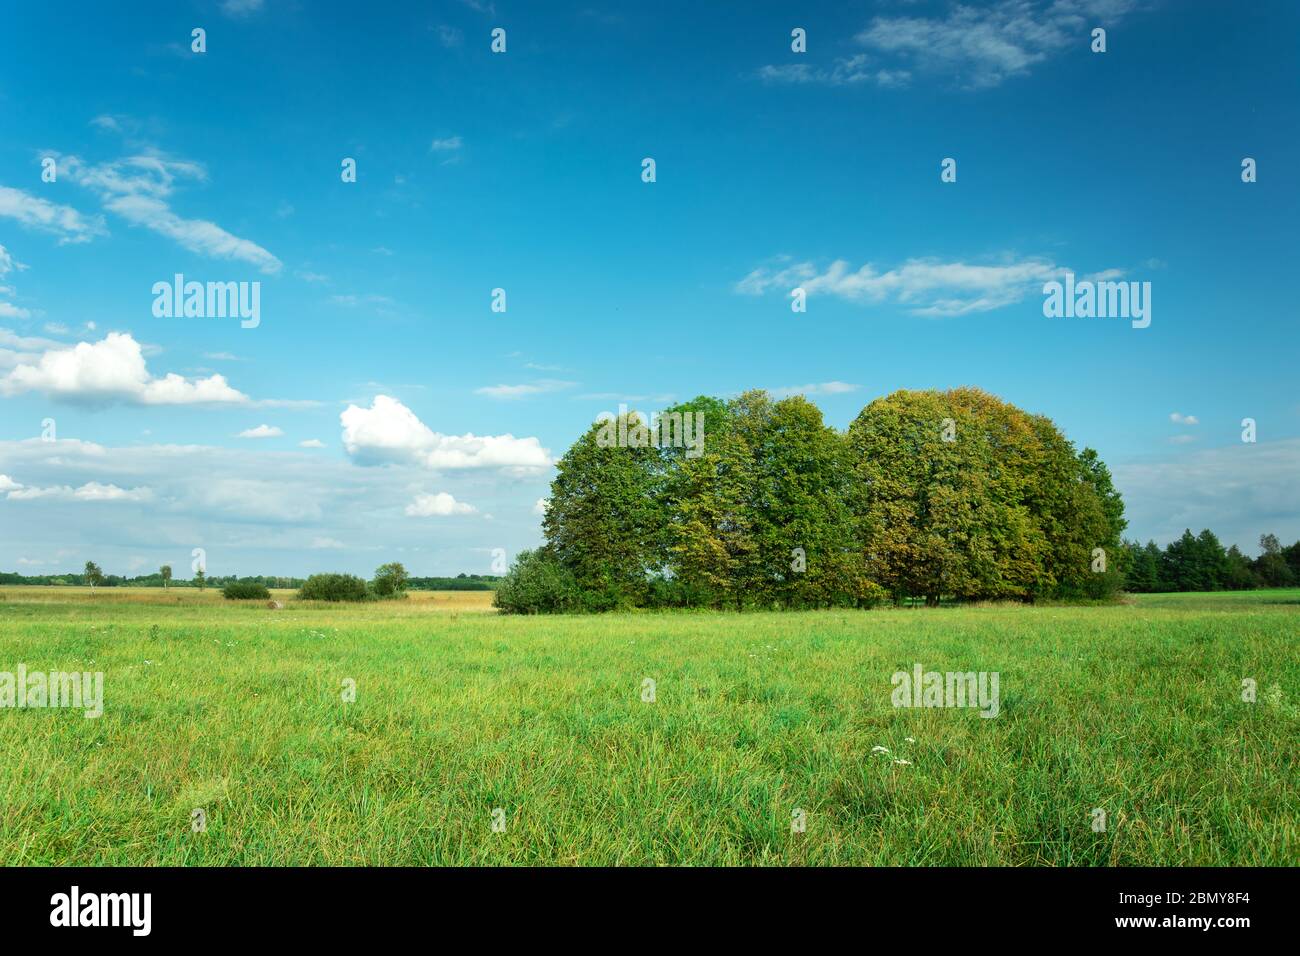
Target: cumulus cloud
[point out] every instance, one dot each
(261, 431)
(539, 508)
(1180, 419)
(438, 505)
(8, 484)
(388, 432)
(926, 287)
(111, 370)
(42, 215)
(138, 188)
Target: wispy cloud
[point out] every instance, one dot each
(843, 71)
(261, 431)
(1240, 490)
(241, 8)
(40, 214)
(1180, 419)
(818, 388)
(448, 145)
(926, 287)
(138, 189)
(526, 390)
(980, 47)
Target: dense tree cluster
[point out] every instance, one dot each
(928, 495)
(1200, 563)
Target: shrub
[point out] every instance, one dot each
(333, 587)
(538, 584)
(245, 590)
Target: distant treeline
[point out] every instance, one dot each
(462, 582)
(1200, 563)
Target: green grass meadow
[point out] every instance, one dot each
(237, 709)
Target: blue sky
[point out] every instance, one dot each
(522, 170)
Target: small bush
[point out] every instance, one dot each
(245, 590)
(538, 584)
(333, 587)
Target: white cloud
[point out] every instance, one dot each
(439, 505)
(10, 311)
(91, 491)
(843, 71)
(448, 145)
(8, 484)
(240, 8)
(137, 189)
(819, 388)
(1238, 491)
(509, 392)
(63, 221)
(541, 505)
(388, 432)
(1179, 419)
(982, 46)
(925, 287)
(311, 443)
(261, 431)
(110, 370)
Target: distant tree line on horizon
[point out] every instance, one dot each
(1201, 563)
(461, 582)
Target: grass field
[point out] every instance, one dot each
(236, 709)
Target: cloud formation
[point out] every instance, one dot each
(926, 287)
(110, 370)
(44, 216)
(388, 432)
(981, 46)
(438, 505)
(138, 188)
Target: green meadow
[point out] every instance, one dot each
(238, 710)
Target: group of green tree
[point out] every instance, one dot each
(1200, 563)
(927, 496)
